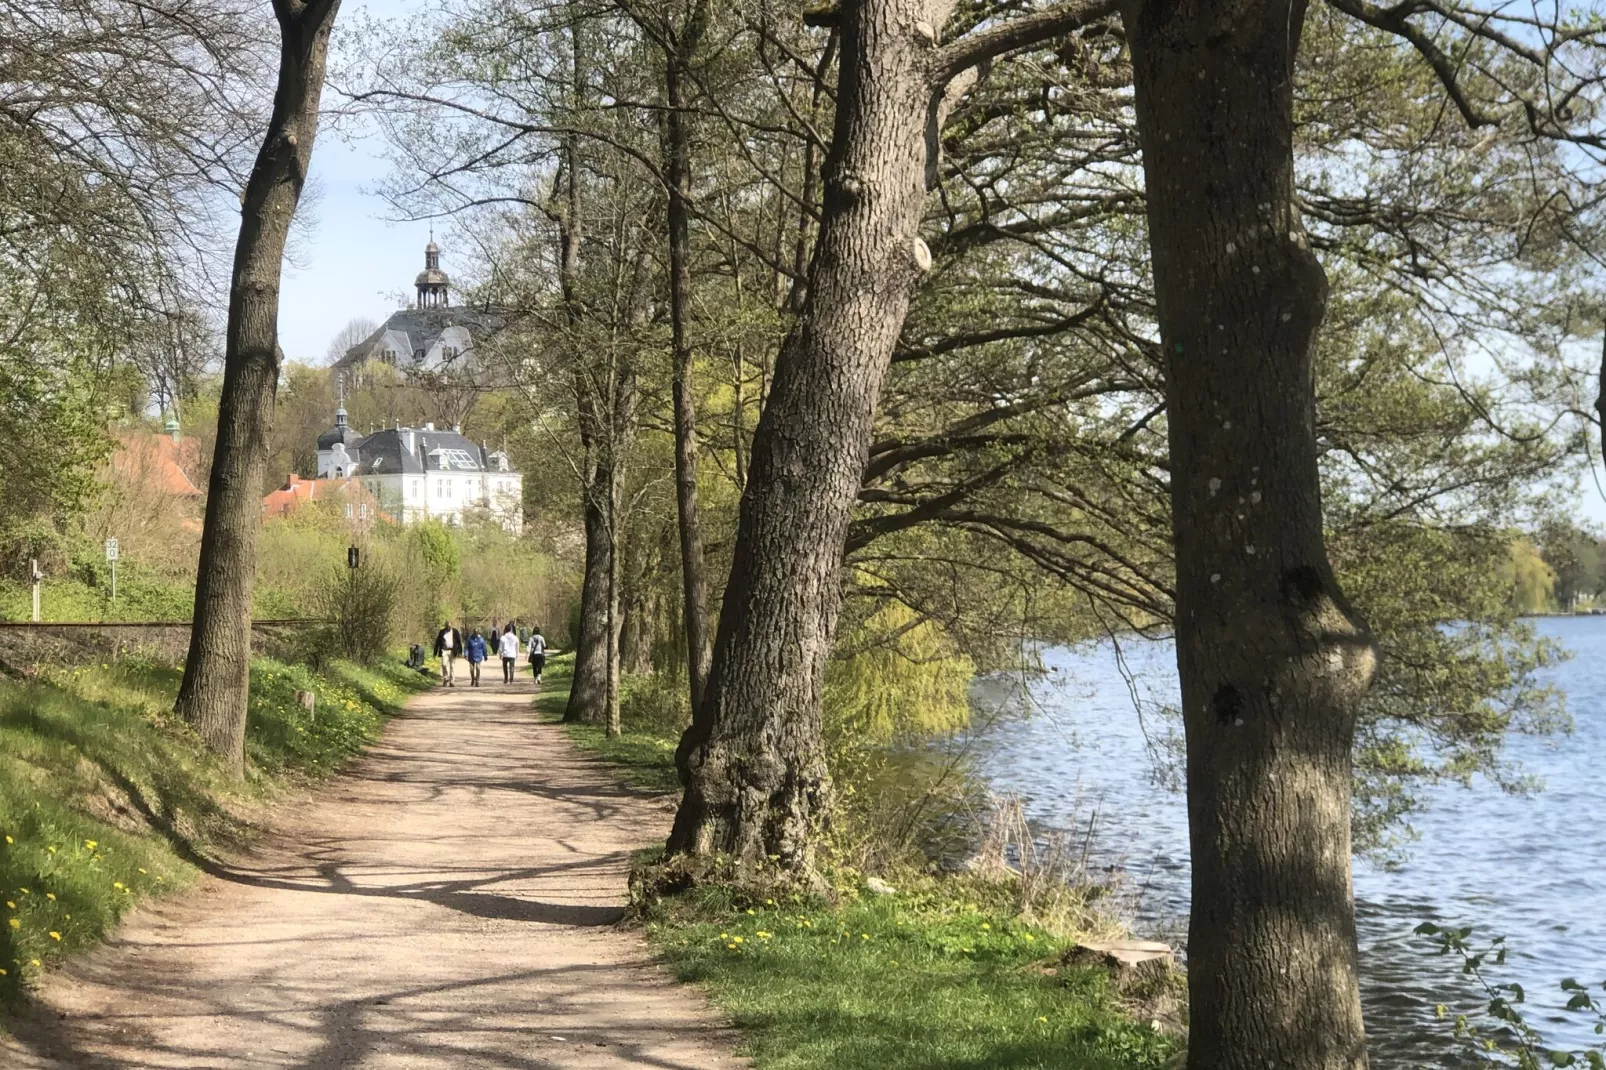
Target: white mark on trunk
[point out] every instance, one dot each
(1254, 496)
(1215, 577)
(1231, 248)
(1249, 548)
(922, 254)
(1215, 485)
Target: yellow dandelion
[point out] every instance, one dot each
(1041, 1018)
(55, 935)
(51, 849)
(11, 903)
(984, 925)
(50, 896)
(10, 840)
(33, 962)
(15, 924)
(736, 939)
(91, 844)
(3, 972)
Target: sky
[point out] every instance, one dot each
(350, 259)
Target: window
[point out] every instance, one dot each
(418, 488)
(458, 459)
(348, 510)
(362, 511)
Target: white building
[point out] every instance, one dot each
(422, 473)
(432, 336)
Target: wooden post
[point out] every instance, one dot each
(35, 575)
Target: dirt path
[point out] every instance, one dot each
(449, 903)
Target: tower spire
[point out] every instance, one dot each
(432, 282)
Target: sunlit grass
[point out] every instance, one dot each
(942, 974)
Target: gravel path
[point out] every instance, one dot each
(449, 903)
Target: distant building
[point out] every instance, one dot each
(161, 462)
(432, 336)
(346, 496)
(421, 473)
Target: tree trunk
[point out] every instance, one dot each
(756, 783)
(216, 687)
(588, 695)
(694, 582)
(752, 762)
(1273, 660)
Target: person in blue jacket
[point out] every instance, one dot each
(475, 649)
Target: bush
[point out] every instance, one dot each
(360, 604)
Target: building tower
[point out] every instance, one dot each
(432, 281)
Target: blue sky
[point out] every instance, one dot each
(350, 259)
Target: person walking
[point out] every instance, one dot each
(509, 648)
(537, 654)
(448, 643)
(475, 649)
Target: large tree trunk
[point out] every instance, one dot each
(694, 582)
(752, 762)
(215, 690)
(588, 696)
(1273, 660)
(756, 783)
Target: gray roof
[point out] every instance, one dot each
(423, 327)
(385, 453)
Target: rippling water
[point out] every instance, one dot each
(1531, 868)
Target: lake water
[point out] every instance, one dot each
(1531, 868)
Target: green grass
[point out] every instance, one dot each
(106, 798)
(643, 754)
(941, 975)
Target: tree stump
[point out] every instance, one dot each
(309, 702)
(1131, 963)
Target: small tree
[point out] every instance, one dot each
(361, 606)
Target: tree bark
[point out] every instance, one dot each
(694, 581)
(215, 691)
(752, 763)
(588, 695)
(1273, 660)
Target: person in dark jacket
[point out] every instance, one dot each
(474, 647)
(448, 644)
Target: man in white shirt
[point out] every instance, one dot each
(448, 644)
(508, 647)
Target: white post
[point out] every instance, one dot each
(114, 579)
(33, 571)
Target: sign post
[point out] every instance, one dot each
(111, 555)
(351, 557)
(37, 576)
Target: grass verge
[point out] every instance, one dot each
(106, 798)
(942, 973)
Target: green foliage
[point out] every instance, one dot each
(1501, 1033)
(928, 979)
(1459, 671)
(897, 676)
(105, 798)
(361, 603)
(1532, 580)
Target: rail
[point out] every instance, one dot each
(102, 624)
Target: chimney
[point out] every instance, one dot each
(408, 439)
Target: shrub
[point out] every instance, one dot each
(360, 604)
